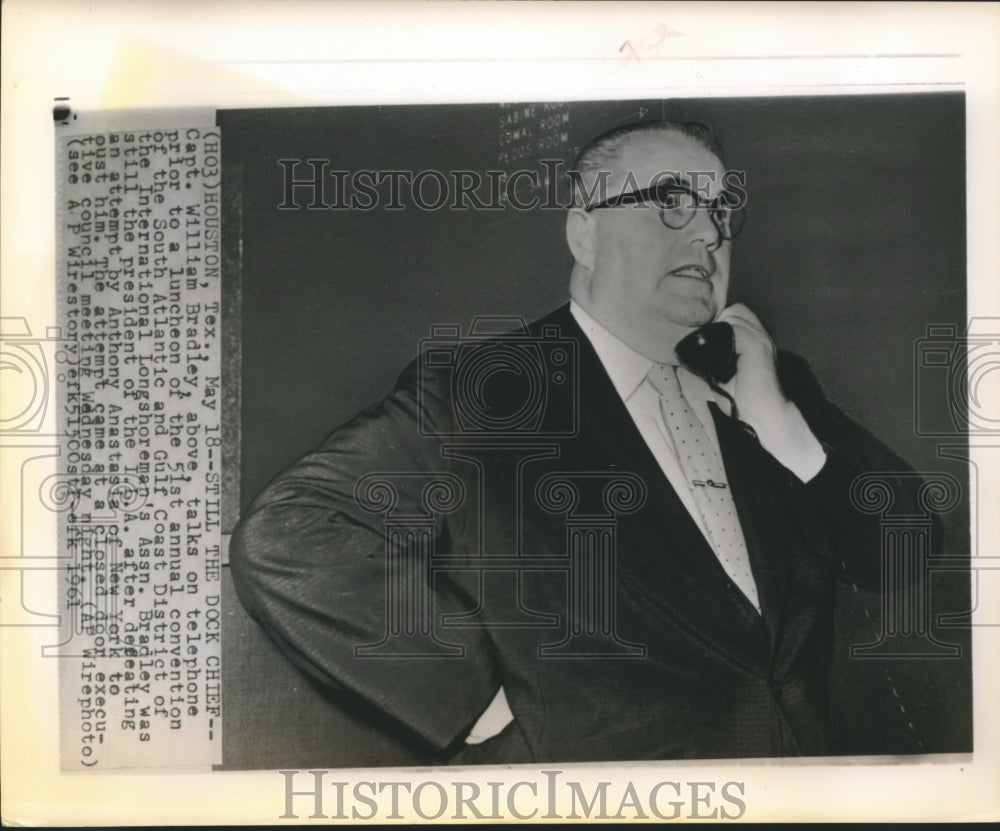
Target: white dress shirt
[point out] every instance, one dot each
(628, 370)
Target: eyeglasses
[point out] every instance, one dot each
(678, 204)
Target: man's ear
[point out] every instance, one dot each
(581, 236)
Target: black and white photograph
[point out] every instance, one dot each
(568, 596)
(464, 428)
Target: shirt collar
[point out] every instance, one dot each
(626, 367)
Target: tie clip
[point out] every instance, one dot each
(701, 483)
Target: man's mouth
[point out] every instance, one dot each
(696, 272)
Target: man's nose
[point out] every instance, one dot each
(704, 229)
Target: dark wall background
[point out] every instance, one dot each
(855, 242)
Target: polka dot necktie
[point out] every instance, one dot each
(703, 468)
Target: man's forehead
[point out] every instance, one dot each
(648, 154)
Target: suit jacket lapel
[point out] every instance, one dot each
(748, 469)
(661, 545)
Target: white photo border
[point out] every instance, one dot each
(118, 55)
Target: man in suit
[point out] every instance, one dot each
(643, 566)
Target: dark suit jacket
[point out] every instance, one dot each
(668, 661)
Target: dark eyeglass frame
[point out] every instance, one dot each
(728, 218)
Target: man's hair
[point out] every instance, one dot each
(603, 152)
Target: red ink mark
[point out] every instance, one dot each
(649, 44)
(660, 30)
(632, 55)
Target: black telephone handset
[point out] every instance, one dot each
(710, 352)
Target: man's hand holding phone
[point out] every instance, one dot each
(755, 388)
